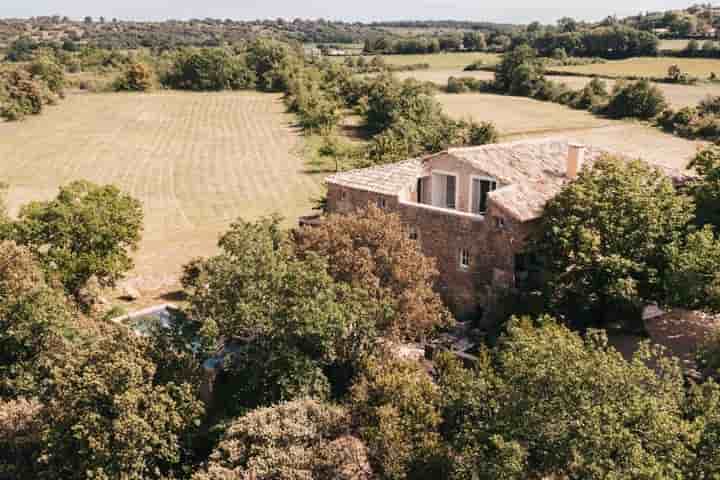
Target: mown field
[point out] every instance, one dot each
(518, 117)
(197, 162)
(648, 67)
(678, 45)
(443, 61)
(678, 96)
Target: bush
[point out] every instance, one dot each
(21, 95)
(468, 84)
(137, 77)
(710, 105)
(483, 133)
(49, 71)
(210, 69)
(639, 100)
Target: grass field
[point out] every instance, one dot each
(518, 117)
(678, 96)
(648, 67)
(443, 61)
(678, 45)
(196, 161)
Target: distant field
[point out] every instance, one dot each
(197, 162)
(678, 45)
(648, 67)
(443, 61)
(677, 95)
(518, 117)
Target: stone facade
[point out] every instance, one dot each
(492, 240)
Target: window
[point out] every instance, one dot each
(413, 233)
(444, 190)
(382, 203)
(343, 195)
(464, 259)
(481, 187)
(499, 222)
(423, 191)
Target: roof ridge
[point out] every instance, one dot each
(527, 141)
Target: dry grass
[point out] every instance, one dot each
(648, 67)
(518, 117)
(197, 162)
(443, 61)
(677, 95)
(678, 45)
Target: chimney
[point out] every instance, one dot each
(576, 155)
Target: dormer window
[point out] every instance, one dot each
(444, 190)
(481, 188)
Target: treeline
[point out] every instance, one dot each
(612, 42)
(451, 42)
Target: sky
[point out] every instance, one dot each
(511, 11)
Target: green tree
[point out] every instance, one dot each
(397, 408)
(706, 188)
(209, 69)
(693, 278)
(519, 72)
(33, 319)
(372, 250)
(640, 100)
(269, 59)
(474, 41)
(87, 231)
(106, 418)
(300, 439)
(604, 239)
(548, 403)
(21, 50)
(309, 333)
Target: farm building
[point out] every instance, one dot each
(472, 209)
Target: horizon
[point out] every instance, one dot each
(514, 11)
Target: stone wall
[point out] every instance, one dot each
(492, 240)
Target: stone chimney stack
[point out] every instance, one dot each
(576, 155)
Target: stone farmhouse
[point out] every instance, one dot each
(472, 209)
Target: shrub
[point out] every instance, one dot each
(21, 96)
(640, 100)
(50, 72)
(710, 105)
(467, 84)
(137, 77)
(483, 133)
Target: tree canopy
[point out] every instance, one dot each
(301, 332)
(372, 249)
(86, 231)
(604, 238)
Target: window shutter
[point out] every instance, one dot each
(476, 196)
(450, 192)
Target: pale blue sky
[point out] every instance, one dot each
(518, 11)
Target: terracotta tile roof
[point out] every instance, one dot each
(386, 179)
